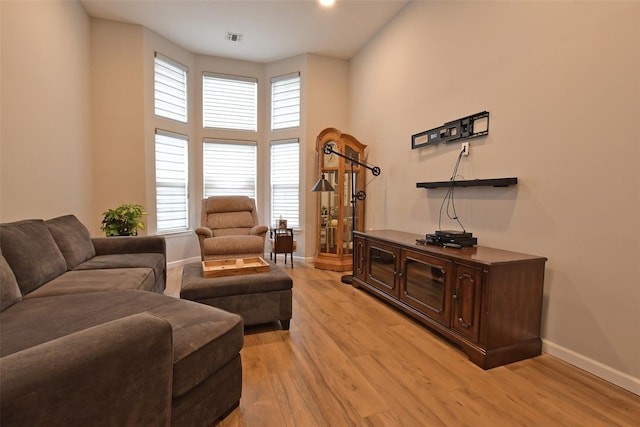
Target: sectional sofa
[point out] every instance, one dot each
(88, 338)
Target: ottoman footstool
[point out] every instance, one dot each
(257, 297)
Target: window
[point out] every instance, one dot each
(285, 101)
(229, 102)
(229, 168)
(170, 89)
(285, 182)
(171, 182)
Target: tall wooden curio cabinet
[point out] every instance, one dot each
(335, 240)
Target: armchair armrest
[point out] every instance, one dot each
(204, 232)
(118, 373)
(259, 229)
(129, 245)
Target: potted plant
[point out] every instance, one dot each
(125, 220)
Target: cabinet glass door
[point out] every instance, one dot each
(329, 211)
(382, 268)
(426, 284)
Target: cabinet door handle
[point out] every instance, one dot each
(459, 303)
(463, 324)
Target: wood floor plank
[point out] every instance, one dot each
(349, 359)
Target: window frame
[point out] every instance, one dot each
(212, 105)
(286, 101)
(229, 166)
(285, 208)
(185, 159)
(169, 98)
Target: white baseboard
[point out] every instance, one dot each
(182, 262)
(594, 367)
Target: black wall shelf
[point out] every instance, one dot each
(494, 182)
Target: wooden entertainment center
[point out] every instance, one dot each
(488, 301)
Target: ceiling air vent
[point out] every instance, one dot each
(234, 37)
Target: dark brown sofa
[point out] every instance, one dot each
(87, 338)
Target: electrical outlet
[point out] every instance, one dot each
(465, 148)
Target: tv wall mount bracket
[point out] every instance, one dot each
(465, 128)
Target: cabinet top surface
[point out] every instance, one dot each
(479, 254)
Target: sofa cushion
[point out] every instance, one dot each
(132, 260)
(73, 239)
(9, 291)
(83, 281)
(32, 253)
(205, 338)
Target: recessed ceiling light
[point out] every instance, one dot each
(327, 3)
(234, 37)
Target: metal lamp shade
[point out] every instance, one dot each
(322, 185)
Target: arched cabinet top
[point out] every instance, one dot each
(342, 139)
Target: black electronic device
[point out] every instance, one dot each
(453, 233)
(463, 239)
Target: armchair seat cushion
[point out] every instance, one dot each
(230, 245)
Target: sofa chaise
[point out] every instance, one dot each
(88, 338)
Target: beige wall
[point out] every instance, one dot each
(117, 101)
(561, 83)
(45, 168)
(326, 94)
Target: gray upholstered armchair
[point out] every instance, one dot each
(230, 228)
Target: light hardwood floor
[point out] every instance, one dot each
(351, 360)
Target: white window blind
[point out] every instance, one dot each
(285, 182)
(171, 182)
(285, 101)
(170, 88)
(229, 168)
(229, 102)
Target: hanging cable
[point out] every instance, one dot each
(448, 198)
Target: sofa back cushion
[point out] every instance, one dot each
(9, 290)
(31, 252)
(73, 239)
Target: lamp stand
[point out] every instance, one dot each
(347, 279)
(361, 195)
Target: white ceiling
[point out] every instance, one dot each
(272, 29)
